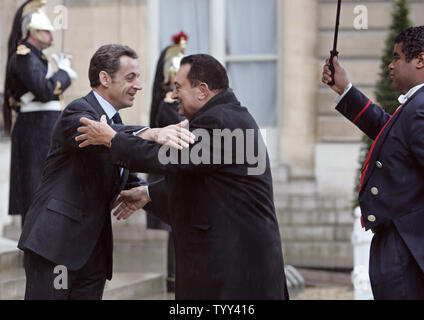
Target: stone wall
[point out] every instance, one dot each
(92, 23)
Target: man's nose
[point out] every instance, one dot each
(137, 85)
(174, 95)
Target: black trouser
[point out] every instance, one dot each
(88, 283)
(170, 283)
(394, 273)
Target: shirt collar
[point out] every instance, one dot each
(106, 106)
(404, 97)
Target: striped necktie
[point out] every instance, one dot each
(117, 118)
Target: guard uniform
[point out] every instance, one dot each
(38, 108)
(33, 90)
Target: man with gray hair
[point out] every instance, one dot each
(226, 234)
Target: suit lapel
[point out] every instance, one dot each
(91, 99)
(120, 181)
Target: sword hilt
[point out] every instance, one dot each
(333, 53)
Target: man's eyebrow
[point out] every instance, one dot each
(132, 73)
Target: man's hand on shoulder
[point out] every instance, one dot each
(95, 132)
(174, 135)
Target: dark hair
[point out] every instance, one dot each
(205, 68)
(106, 59)
(412, 42)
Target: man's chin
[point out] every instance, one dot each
(395, 87)
(127, 105)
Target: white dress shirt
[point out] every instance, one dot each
(402, 98)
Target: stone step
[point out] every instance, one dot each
(12, 231)
(316, 233)
(315, 218)
(12, 284)
(311, 203)
(161, 296)
(10, 255)
(318, 254)
(294, 187)
(134, 286)
(123, 286)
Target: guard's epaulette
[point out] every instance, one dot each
(23, 50)
(168, 98)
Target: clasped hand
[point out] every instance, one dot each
(130, 201)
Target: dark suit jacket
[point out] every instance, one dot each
(73, 204)
(166, 115)
(226, 234)
(396, 167)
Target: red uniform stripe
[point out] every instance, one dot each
(362, 111)
(367, 160)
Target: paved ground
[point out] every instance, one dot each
(326, 285)
(320, 285)
(326, 293)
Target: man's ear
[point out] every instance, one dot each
(420, 60)
(204, 91)
(104, 79)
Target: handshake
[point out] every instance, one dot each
(100, 133)
(63, 62)
(130, 201)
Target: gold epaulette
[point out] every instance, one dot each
(57, 91)
(168, 98)
(23, 50)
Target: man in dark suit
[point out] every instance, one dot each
(226, 234)
(392, 182)
(69, 221)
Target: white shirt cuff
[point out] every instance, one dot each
(345, 92)
(141, 130)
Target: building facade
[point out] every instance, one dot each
(274, 51)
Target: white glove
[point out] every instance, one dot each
(64, 63)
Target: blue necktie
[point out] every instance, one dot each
(117, 118)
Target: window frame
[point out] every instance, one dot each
(217, 41)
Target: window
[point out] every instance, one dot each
(242, 34)
(191, 16)
(251, 56)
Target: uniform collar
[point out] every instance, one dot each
(106, 106)
(34, 49)
(404, 97)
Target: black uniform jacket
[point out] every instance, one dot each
(393, 189)
(226, 234)
(73, 204)
(26, 72)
